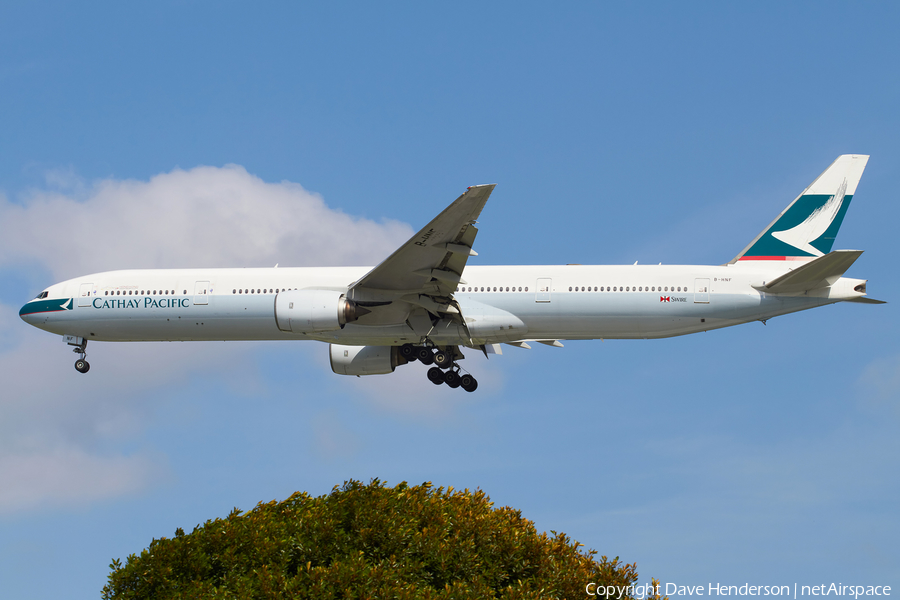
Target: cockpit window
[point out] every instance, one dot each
(42, 295)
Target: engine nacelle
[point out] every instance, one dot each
(364, 360)
(312, 311)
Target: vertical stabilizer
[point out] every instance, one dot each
(807, 227)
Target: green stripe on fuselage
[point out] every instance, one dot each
(43, 306)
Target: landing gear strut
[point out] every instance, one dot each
(446, 370)
(81, 365)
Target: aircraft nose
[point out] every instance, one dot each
(28, 313)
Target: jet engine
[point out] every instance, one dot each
(364, 360)
(312, 311)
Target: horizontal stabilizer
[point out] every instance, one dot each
(818, 273)
(863, 300)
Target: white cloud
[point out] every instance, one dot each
(57, 426)
(204, 217)
(67, 476)
(69, 438)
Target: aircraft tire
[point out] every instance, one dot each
(452, 379)
(82, 366)
(435, 376)
(443, 359)
(425, 355)
(408, 351)
(468, 383)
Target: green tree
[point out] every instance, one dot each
(367, 541)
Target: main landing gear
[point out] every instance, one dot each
(446, 370)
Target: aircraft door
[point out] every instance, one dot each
(201, 292)
(701, 291)
(85, 291)
(542, 289)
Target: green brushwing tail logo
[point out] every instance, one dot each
(807, 228)
(815, 225)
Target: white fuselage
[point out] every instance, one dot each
(499, 303)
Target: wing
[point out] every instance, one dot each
(426, 270)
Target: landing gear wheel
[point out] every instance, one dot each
(468, 383)
(82, 366)
(435, 376)
(425, 355)
(452, 379)
(408, 351)
(443, 359)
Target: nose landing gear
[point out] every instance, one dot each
(446, 370)
(80, 343)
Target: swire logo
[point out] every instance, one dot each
(665, 298)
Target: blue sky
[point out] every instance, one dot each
(211, 134)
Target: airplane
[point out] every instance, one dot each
(424, 304)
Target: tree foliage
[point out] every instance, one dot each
(366, 541)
